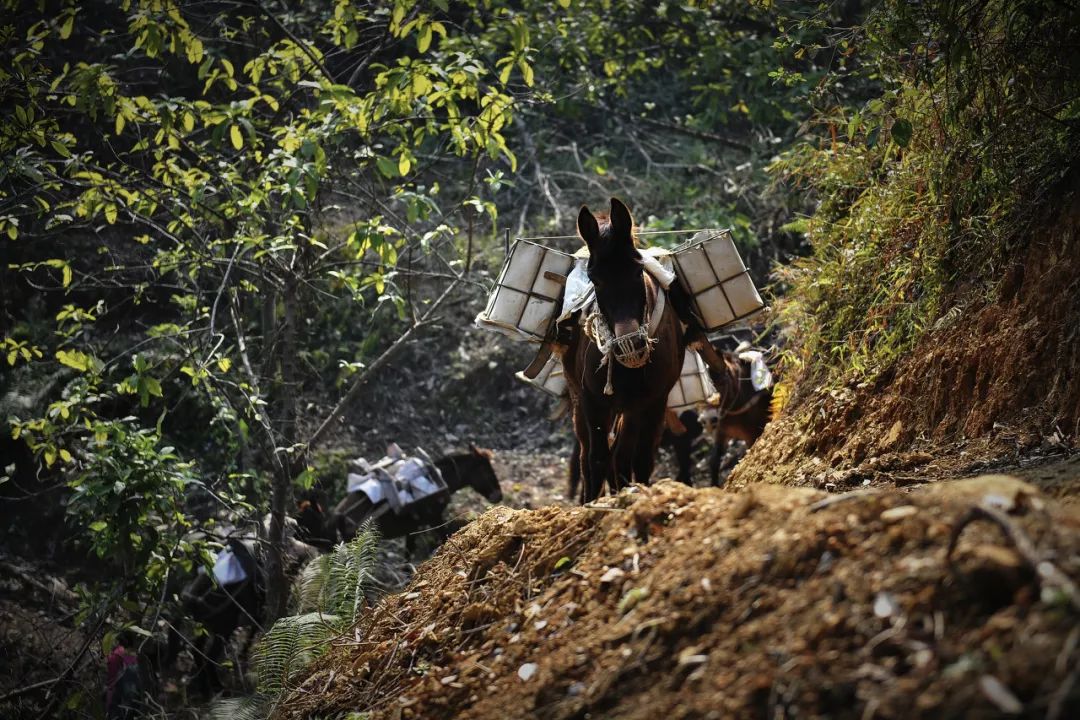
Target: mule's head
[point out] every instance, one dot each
(315, 526)
(615, 269)
(483, 478)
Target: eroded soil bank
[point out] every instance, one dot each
(676, 602)
(994, 381)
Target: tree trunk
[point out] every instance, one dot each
(286, 462)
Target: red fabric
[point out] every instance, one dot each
(118, 659)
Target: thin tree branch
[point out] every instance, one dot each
(297, 41)
(426, 319)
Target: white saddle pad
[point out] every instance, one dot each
(227, 568)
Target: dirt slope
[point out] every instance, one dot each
(997, 378)
(773, 602)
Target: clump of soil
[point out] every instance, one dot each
(677, 602)
(997, 378)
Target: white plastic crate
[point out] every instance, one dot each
(710, 269)
(694, 387)
(524, 301)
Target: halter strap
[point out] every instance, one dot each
(621, 349)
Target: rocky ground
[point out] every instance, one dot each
(696, 603)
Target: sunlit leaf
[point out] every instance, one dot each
(67, 27)
(74, 359)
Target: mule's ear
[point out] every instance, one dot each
(622, 223)
(587, 226)
(473, 449)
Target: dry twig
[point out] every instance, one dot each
(1046, 571)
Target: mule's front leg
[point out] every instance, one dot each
(592, 422)
(650, 430)
(574, 473)
(626, 442)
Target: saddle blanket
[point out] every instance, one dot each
(579, 293)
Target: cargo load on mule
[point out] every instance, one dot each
(405, 496)
(398, 484)
(541, 287)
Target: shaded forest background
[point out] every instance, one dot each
(242, 240)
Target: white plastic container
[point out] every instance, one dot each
(550, 379)
(692, 391)
(694, 387)
(524, 301)
(710, 269)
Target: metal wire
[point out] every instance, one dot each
(644, 232)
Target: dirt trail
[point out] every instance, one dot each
(676, 602)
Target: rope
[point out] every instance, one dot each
(625, 348)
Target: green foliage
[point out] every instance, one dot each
(290, 646)
(338, 582)
(931, 186)
(673, 107)
(205, 199)
(328, 598)
(876, 276)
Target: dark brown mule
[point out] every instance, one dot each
(633, 379)
(472, 469)
(742, 411)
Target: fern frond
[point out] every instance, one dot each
(337, 583)
(327, 597)
(290, 646)
(350, 573)
(252, 707)
(309, 585)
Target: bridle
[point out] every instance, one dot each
(634, 349)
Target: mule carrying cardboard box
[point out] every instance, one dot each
(526, 297)
(710, 269)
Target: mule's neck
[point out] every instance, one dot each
(457, 469)
(727, 381)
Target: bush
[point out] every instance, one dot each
(925, 193)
